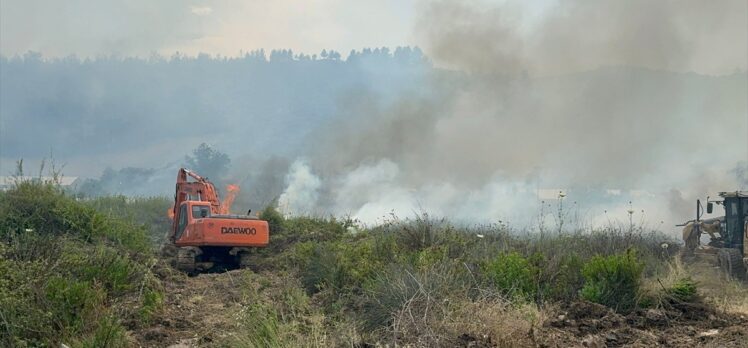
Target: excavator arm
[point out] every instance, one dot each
(199, 190)
(196, 189)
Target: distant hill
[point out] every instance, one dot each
(147, 112)
(150, 107)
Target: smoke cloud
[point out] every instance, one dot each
(567, 36)
(526, 112)
(590, 97)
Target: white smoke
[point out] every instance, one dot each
(595, 97)
(302, 192)
(374, 193)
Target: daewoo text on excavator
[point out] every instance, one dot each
(204, 234)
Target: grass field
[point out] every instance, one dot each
(87, 273)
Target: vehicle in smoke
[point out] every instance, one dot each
(204, 234)
(728, 233)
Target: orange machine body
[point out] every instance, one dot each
(196, 228)
(198, 220)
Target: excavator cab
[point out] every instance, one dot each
(196, 209)
(736, 211)
(200, 211)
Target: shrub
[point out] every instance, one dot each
(153, 299)
(149, 212)
(277, 313)
(99, 264)
(418, 234)
(397, 285)
(72, 302)
(561, 278)
(344, 266)
(24, 321)
(613, 280)
(45, 210)
(684, 290)
(514, 275)
(109, 333)
(63, 266)
(273, 217)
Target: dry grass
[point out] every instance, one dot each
(726, 295)
(435, 321)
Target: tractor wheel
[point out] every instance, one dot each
(186, 260)
(731, 262)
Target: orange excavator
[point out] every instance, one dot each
(203, 232)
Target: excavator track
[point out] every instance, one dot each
(185, 260)
(246, 259)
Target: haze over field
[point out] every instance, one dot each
(500, 105)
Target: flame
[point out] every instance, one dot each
(170, 212)
(231, 192)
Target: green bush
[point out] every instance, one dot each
(514, 275)
(561, 278)
(63, 266)
(684, 290)
(153, 299)
(109, 333)
(24, 321)
(273, 217)
(344, 266)
(44, 209)
(100, 264)
(72, 303)
(149, 212)
(264, 330)
(277, 313)
(613, 280)
(430, 256)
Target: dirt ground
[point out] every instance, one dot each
(198, 312)
(684, 325)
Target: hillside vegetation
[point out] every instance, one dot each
(87, 273)
(69, 273)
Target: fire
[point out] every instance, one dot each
(170, 213)
(231, 192)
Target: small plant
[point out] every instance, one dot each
(684, 290)
(152, 301)
(613, 280)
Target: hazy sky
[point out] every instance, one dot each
(226, 27)
(549, 36)
(586, 114)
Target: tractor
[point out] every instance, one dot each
(728, 233)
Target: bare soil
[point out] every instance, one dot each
(196, 312)
(682, 325)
